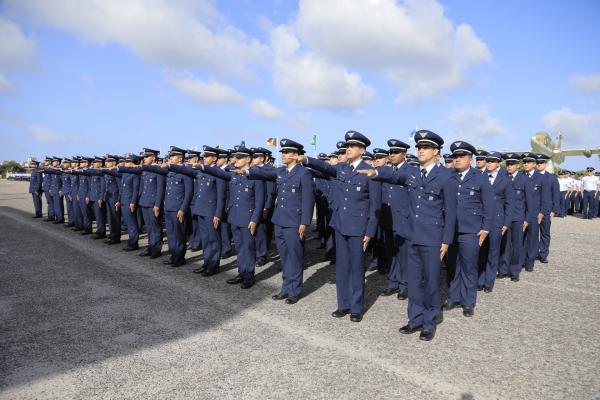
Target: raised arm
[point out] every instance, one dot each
(262, 173)
(131, 170)
(155, 168)
(217, 172)
(184, 169)
(321, 166)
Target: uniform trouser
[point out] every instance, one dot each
(261, 239)
(175, 236)
(531, 244)
(155, 239)
(513, 255)
(84, 209)
(330, 238)
(132, 226)
(463, 257)
(211, 242)
(77, 216)
(350, 273)
(291, 250)
(70, 210)
(321, 205)
(377, 243)
(397, 277)
(50, 204)
(59, 207)
(245, 244)
(195, 238)
(225, 237)
(495, 243)
(562, 204)
(423, 285)
(114, 219)
(544, 246)
(37, 204)
(100, 214)
(587, 207)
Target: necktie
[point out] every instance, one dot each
(460, 176)
(512, 178)
(423, 174)
(491, 178)
(351, 168)
(395, 168)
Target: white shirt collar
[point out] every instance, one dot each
(355, 163)
(290, 169)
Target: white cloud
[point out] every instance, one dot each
(173, 33)
(46, 135)
(412, 44)
(577, 128)
(264, 109)
(586, 83)
(306, 80)
(203, 92)
(16, 50)
(474, 124)
(5, 85)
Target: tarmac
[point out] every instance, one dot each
(83, 320)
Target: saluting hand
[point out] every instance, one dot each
(301, 231)
(368, 172)
(180, 216)
(366, 241)
(482, 235)
(252, 227)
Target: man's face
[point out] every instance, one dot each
(368, 161)
(221, 161)
(426, 154)
(241, 161)
(491, 166)
(84, 164)
(354, 152)
(149, 160)
(258, 159)
(462, 161)
(97, 164)
(480, 163)
(540, 166)
(288, 157)
(380, 161)
(397, 156)
(342, 157)
(55, 163)
(528, 166)
(66, 165)
(176, 159)
(449, 164)
(110, 164)
(192, 160)
(333, 161)
(512, 167)
(209, 160)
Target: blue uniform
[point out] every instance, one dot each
(293, 207)
(552, 182)
(357, 205)
(46, 190)
(83, 190)
(209, 203)
(77, 217)
(55, 191)
(112, 194)
(262, 228)
(35, 188)
(152, 194)
(432, 223)
(67, 191)
(195, 237)
(496, 242)
(129, 194)
(245, 202)
(96, 195)
(541, 203)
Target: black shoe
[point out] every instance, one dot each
(514, 278)
(210, 272)
(200, 270)
(97, 236)
(129, 248)
(389, 292)
(355, 317)
(291, 300)
(403, 294)
(56, 222)
(247, 284)
(408, 329)
(427, 335)
(86, 233)
(340, 313)
(156, 255)
(538, 258)
(468, 311)
(48, 219)
(114, 241)
(544, 260)
(178, 264)
(260, 261)
(168, 262)
(479, 288)
(331, 281)
(529, 269)
(280, 296)
(36, 216)
(235, 281)
(439, 318)
(502, 276)
(226, 255)
(77, 229)
(487, 290)
(450, 305)
(145, 253)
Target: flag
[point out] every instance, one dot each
(243, 143)
(272, 142)
(412, 133)
(313, 141)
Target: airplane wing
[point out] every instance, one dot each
(580, 152)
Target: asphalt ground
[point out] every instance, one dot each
(82, 320)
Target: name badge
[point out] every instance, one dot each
(430, 197)
(207, 183)
(245, 189)
(535, 188)
(293, 190)
(358, 188)
(150, 180)
(518, 192)
(472, 193)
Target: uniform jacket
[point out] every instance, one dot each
(475, 202)
(209, 194)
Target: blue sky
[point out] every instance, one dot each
(95, 77)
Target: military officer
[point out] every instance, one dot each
(128, 200)
(589, 187)
(519, 211)
(354, 221)
(77, 217)
(152, 194)
(46, 189)
(207, 209)
(432, 200)
(412, 160)
(552, 182)
(67, 190)
(448, 161)
(292, 215)
(474, 221)
(112, 188)
(96, 195)
(35, 188)
(493, 247)
(55, 190)
(245, 203)
(258, 160)
(223, 159)
(194, 239)
(395, 215)
(480, 157)
(321, 190)
(540, 205)
(83, 193)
